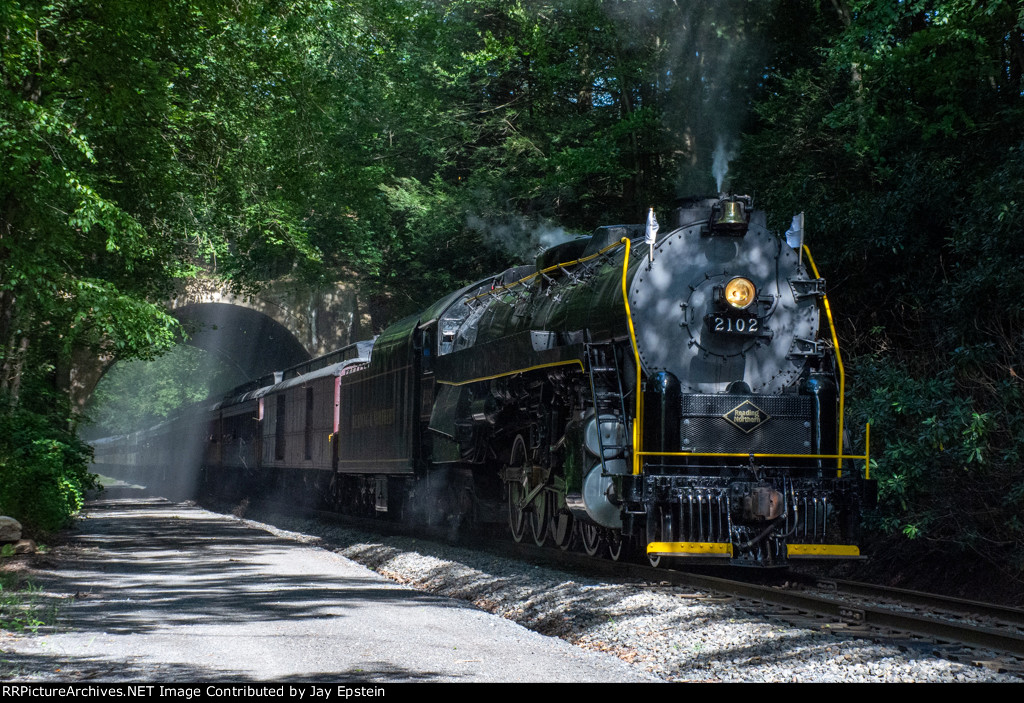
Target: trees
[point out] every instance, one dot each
(135, 140)
(903, 142)
(507, 120)
(143, 143)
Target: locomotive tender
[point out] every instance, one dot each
(683, 398)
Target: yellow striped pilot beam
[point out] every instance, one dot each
(690, 549)
(822, 550)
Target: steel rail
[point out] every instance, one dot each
(970, 634)
(959, 606)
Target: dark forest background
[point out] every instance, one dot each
(424, 143)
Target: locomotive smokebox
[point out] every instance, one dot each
(720, 306)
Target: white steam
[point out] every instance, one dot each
(517, 236)
(710, 55)
(720, 162)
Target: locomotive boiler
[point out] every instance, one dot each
(679, 397)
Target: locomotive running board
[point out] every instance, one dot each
(690, 549)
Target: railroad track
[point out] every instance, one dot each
(947, 621)
(867, 609)
(943, 617)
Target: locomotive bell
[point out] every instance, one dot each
(732, 214)
(729, 217)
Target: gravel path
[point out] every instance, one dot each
(154, 591)
(674, 634)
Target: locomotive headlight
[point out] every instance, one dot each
(740, 293)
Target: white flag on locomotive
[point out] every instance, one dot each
(795, 233)
(795, 236)
(651, 233)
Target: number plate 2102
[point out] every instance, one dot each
(748, 325)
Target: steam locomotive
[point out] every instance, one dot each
(680, 397)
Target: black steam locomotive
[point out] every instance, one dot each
(680, 398)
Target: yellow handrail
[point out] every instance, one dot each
(865, 457)
(638, 418)
(757, 455)
(637, 433)
(867, 450)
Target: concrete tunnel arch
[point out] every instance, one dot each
(285, 324)
(247, 339)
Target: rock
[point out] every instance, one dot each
(25, 546)
(10, 529)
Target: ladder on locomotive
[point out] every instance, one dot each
(606, 392)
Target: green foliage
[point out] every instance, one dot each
(138, 144)
(21, 608)
(420, 144)
(901, 140)
(427, 125)
(44, 470)
(138, 394)
(946, 471)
